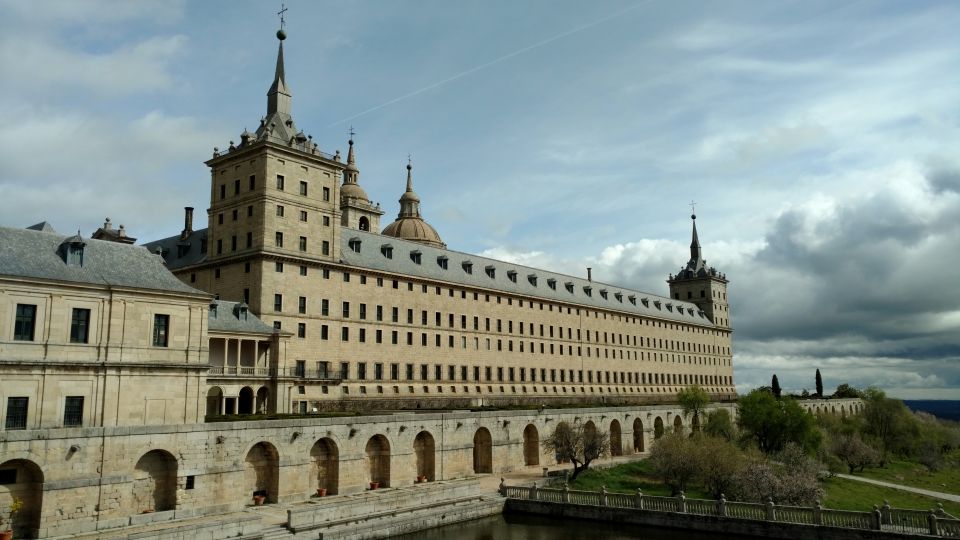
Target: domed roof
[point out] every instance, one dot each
(409, 224)
(353, 191)
(415, 230)
(351, 187)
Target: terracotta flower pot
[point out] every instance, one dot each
(374, 485)
(6, 535)
(421, 479)
(321, 492)
(258, 500)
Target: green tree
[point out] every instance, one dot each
(887, 421)
(855, 453)
(819, 384)
(674, 458)
(693, 400)
(719, 424)
(846, 391)
(719, 464)
(772, 423)
(775, 386)
(578, 445)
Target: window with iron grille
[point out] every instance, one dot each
(80, 325)
(26, 320)
(73, 411)
(17, 413)
(161, 329)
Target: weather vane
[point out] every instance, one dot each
(352, 133)
(693, 208)
(283, 9)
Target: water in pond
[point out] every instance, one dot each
(531, 527)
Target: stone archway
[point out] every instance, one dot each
(23, 480)
(155, 482)
(424, 448)
(326, 465)
(262, 471)
(364, 224)
(214, 401)
(263, 400)
(658, 428)
(590, 427)
(378, 460)
(616, 440)
(531, 445)
(245, 403)
(677, 424)
(482, 451)
(638, 436)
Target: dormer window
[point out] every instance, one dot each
(618, 296)
(415, 256)
(552, 283)
(532, 278)
(72, 250)
(646, 303)
(569, 286)
(387, 251)
(467, 267)
(512, 275)
(690, 310)
(213, 309)
(355, 244)
(656, 303)
(632, 299)
(603, 293)
(182, 249)
(588, 290)
(442, 261)
(491, 271)
(669, 306)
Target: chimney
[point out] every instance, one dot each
(589, 274)
(106, 225)
(122, 233)
(187, 222)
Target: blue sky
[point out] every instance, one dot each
(819, 140)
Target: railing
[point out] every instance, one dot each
(932, 522)
(242, 371)
(315, 374)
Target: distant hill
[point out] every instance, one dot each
(946, 409)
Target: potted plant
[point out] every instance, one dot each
(421, 478)
(15, 506)
(321, 492)
(374, 485)
(259, 497)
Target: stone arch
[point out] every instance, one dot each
(843, 411)
(833, 409)
(214, 401)
(590, 427)
(25, 483)
(155, 482)
(531, 445)
(364, 224)
(616, 440)
(262, 471)
(326, 465)
(263, 400)
(638, 442)
(245, 402)
(482, 451)
(658, 428)
(425, 450)
(378, 460)
(678, 424)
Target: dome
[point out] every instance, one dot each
(414, 229)
(353, 191)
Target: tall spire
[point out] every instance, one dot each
(278, 97)
(409, 175)
(695, 242)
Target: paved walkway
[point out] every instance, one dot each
(901, 487)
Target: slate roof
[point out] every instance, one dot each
(179, 253)
(509, 278)
(229, 317)
(31, 253)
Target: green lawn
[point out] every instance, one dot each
(626, 478)
(909, 473)
(845, 494)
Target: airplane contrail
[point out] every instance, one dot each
(492, 62)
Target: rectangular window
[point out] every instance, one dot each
(303, 243)
(253, 182)
(223, 191)
(345, 334)
(73, 411)
(378, 371)
(324, 332)
(361, 370)
(363, 312)
(17, 413)
(325, 248)
(325, 307)
(409, 372)
(279, 210)
(379, 313)
(278, 266)
(302, 304)
(278, 302)
(161, 329)
(346, 310)
(80, 326)
(303, 188)
(280, 182)
(236, 187)
(278, 239)
(326, 194)
(303, 215)
(249, 240)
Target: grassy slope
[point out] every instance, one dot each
(852, 495)
(908, 473)
(626, 478)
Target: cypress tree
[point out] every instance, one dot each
(819, 384)
(775, 386)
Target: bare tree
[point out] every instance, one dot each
(579, 444)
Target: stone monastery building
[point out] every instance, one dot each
(294, 300)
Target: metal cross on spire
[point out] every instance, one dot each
(283, 10)
(693, 208)
(352, 132)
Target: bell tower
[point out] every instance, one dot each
(702, 285)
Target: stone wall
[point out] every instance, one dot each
(98, 478)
